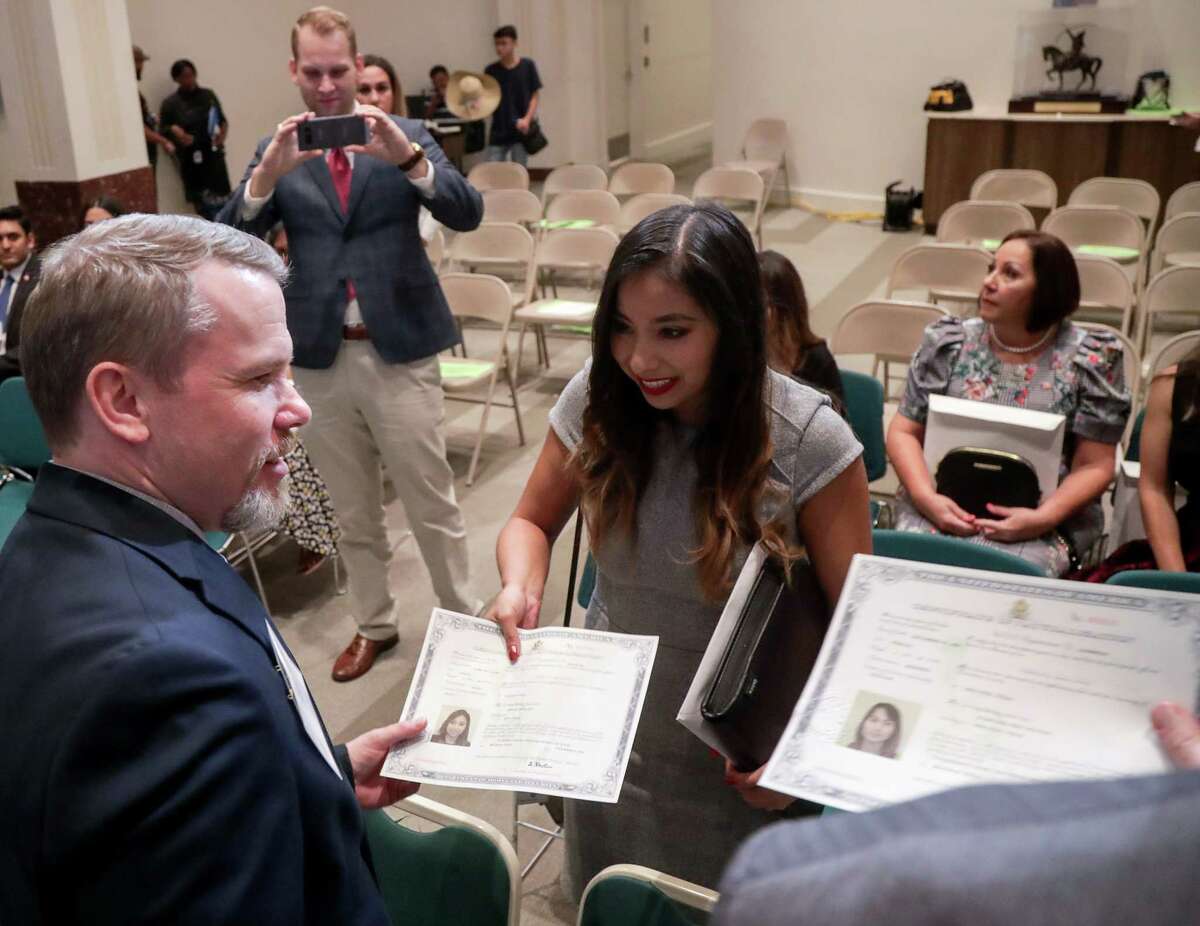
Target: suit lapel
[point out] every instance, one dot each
(364, 169)
(318, 172)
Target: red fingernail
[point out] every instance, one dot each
(512, 652)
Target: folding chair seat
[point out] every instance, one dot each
(498, 175)
(1109, 231)
(1138, 196)
(735, 185)
(486, 298)
(641, 177)
(583, 209)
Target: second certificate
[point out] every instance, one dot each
(561, 720)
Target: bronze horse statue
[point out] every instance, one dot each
(1074, 60)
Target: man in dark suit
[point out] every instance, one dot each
(19, 267)
(368, 318)
(164, 761)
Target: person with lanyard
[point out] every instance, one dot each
(368, 319)
(194, 117)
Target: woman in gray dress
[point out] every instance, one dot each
(683, 449)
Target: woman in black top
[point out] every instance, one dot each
(193, 117)
(1170, 454)
(792, 347)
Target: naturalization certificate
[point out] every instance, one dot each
(933, 677)
(561, 720)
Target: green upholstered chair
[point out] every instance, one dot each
(630, 895)
(463, 873)
(949, 551)
(1186, 582)
(864, 411)
(23, 449)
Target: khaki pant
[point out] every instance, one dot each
(365, 411)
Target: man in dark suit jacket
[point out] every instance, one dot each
(19, 268)
(368, 318)
(164, 761)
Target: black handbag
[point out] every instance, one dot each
(766, 664)
(950, 96)
(973, 476)
(535, 139)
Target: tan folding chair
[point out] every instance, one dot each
(1110, 231)
(764, 151)
(1138, 196)
(1178, 243)
(1172, 352)
(1174, 291)
(599, 207)
(586, 251)
(890, 330)
(497, 246)
(636, 208)
(982, 222)
(435, 249)
(570, 177)
(634, 178)
(737, 185)
(519, 206)
(482, 297)
(1028, 187)
(1184, 199)
(1132, 363)
(498, 175)
(953, 272)
(1105, 290)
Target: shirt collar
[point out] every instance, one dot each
(158, 503)
(19, 271)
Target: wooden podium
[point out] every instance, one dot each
(1070, 148)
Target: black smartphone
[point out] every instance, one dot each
(332, 132)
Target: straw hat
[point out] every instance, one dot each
(472, 96)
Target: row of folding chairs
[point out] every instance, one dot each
(1037, 189)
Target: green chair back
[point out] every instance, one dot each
(864, 409)
(22, 440)
(949, 551)
(1133, 452)
(14, 496)
(587, 582)
(1186, 582)
(622, 901)
(451, 875)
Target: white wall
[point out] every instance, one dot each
(241, 51)
(851, 78)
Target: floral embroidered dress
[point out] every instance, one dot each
(1081, 376)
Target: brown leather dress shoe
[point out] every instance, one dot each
(359, 656)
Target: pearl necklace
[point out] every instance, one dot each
(1020, 350)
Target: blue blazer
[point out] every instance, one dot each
(154, 769)
(375, 243)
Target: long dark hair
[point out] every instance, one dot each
(398, 105)
(788, 333)
(466, 733)
(892, 743)
(704, 249)
(114, 207)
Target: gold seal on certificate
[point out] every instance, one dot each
(932, 677)
(561, 720)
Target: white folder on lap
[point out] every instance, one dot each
(1036, 436)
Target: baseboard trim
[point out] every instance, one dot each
(833, 200)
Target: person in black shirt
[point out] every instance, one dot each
(519, 90)
(792, 347)
(194, 118)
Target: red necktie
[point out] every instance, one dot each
(339, 170)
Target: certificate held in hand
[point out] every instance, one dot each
(758, 660)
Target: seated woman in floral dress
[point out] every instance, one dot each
(1021, 351)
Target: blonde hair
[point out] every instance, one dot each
(123, 290)
(323, 20)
